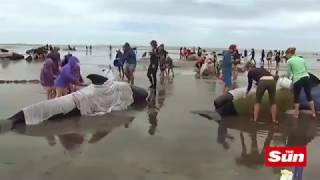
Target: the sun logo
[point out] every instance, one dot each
(285, 156)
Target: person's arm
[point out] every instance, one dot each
(290, 72)
(305, 65)
(250, 81)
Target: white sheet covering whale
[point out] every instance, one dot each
(91, 100)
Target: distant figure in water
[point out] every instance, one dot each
(266, 82)
(199, 53)
(263, 55)
(269, 59)
(86, 50)
(90, 49)
(245, 54)
(236, 61)
(253, 54)
(154, 64)
(110, 52)
(278, 59)
(181, 53)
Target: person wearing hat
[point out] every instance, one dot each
(265, 82)
(130, 60)
(298, 72)
(227, 67)
(154, 64)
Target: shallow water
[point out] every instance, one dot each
(163, 141)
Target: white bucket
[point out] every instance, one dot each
(285, 82)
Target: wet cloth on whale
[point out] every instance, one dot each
(92, 100)
(101, 99)
(37, 113)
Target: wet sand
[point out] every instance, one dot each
(165, 141)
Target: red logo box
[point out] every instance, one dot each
(285, 156)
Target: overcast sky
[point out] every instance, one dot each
(210, 23)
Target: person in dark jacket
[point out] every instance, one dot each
(154, 64)
(129, 58)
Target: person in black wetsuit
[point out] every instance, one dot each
(154, 64)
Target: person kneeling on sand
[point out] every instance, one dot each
(265, 81)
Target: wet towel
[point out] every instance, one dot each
(37, 113)
(102, 99)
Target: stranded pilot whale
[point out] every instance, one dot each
(119, 95)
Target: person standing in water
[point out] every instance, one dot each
(227, 68)
(129, 58)
(253, 54)
(236, 61)
(119, 63)
(278, 59)
(199, 53)
(269, 59)
(266, 82)
(245, 54)
(162, 60)
(90, 49)
(298, 72)
(154, 63)
(263, 55)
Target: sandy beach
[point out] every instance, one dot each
(176, 145)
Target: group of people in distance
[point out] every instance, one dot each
(60, 77)
(126, 62)
(185, 53)
(297, 72)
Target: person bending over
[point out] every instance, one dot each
(265, 82)
(298, 72)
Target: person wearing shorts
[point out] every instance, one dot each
(265, 82)
(130, 60)
(298, 72)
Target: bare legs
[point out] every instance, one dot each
(297, 109)
(273, 111)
